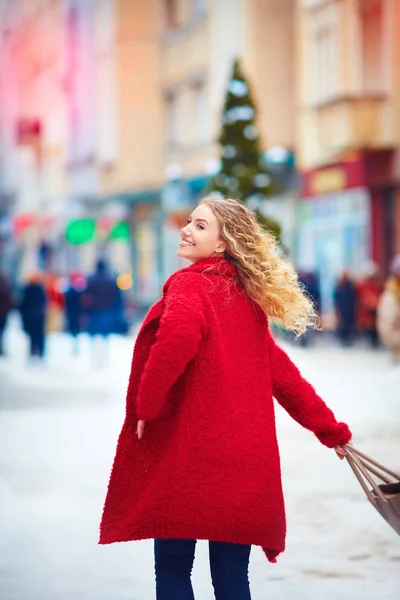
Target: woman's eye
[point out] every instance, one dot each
(188, 221)
(201, 226)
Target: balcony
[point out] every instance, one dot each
(353, 122)
(185, 54)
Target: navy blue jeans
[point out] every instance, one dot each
(229, 564)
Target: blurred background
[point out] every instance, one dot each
(111, 114)
(116, 116)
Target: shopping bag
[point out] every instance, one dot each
(385, 497)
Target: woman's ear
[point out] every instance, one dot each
(221, 246)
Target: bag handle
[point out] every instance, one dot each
(362, 474)
(367, 460)
(382, 477)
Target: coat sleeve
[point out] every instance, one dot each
(181, 329)
(300, 400)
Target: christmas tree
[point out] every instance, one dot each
(243, 174)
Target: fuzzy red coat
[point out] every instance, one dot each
(204, 372)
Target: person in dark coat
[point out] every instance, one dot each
(345, 297)
(311, 288)
(197, 457)
(6, 304)
(33, 312)
(73, 306)
(102, 301)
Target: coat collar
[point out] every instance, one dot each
(215, 266)
(212, 266)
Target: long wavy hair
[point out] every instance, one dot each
(268, 278)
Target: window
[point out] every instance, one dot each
(325, 63)
(107, 84)
(171, 13)
(200, 113)
(172, 119)
(107, 110)
(73, 87)
(324, 33)
(371, 25)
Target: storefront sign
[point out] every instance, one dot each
(23, 221)
(80, 231)
(120, 231)
(328, 180)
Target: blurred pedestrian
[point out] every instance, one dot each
(369, 290)
(345, 299)
(6, 304)
(310, 285)
(205, 460)
(33, 312)
(73, 306)
(389, 311)
(102, 301)
(55, 303)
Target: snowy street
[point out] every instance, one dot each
(59, 424)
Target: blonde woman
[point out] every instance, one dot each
(197, 457)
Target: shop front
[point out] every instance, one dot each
(146, 254)
(132, 224)
(346, 218)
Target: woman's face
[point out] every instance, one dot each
(201, 236)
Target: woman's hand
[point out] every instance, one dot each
(340, 451)
(140, 429)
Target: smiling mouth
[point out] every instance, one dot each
(186, 244)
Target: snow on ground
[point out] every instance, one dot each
(59, 423)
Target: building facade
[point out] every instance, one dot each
(8, 138)
(348, 136)
(169, 64)
(33, 181)
(129, 117)
(114, 118)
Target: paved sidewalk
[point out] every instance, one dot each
(59, 424)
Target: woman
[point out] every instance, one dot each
(197, 457)
(389, 312)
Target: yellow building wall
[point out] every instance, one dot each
(395, 68)
(261, 34)
(351, 118)
(269, 60)
(139, 163)
(185, 59)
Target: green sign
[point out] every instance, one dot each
(80, 231)
(120, 231)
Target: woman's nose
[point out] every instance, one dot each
(185, 230)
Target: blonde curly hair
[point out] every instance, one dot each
(268, 278)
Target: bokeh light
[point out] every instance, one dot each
(124, 281)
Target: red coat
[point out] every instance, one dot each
(204, 370)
